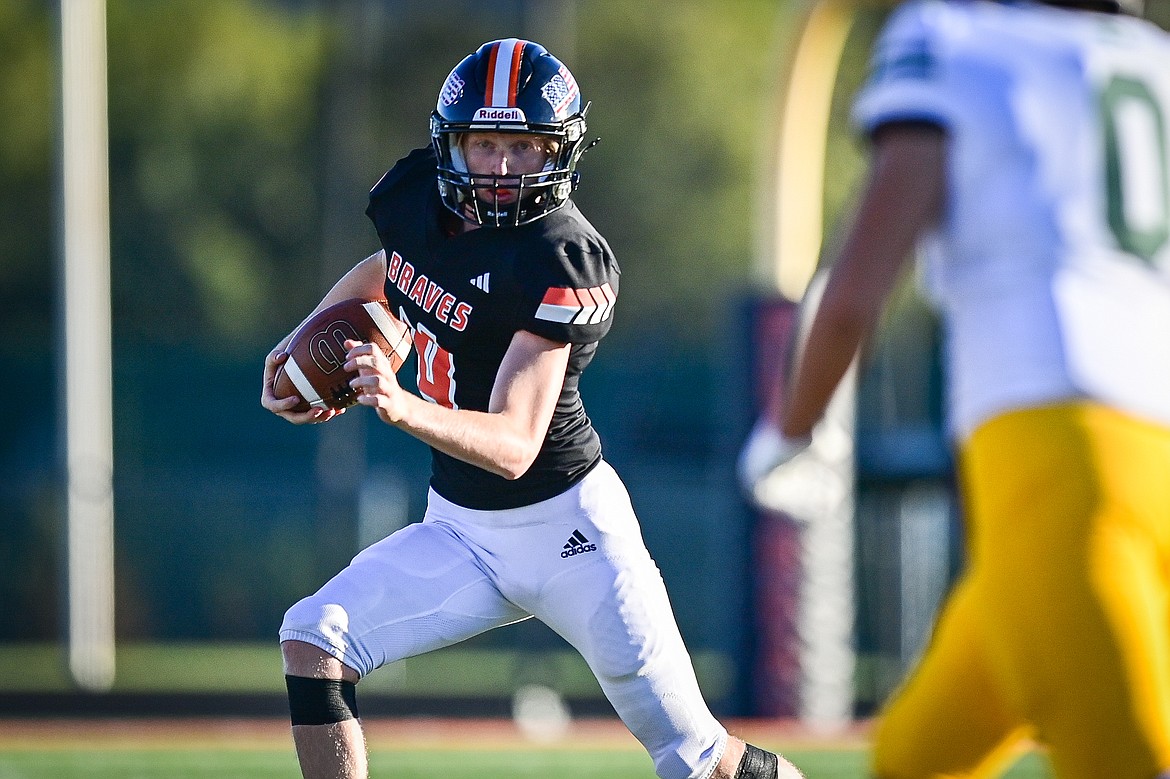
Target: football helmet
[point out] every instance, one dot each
(509, 86)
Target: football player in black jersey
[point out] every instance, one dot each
(507, 290)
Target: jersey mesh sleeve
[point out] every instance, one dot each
(908, 73)
(1047, 289)
(572, 292)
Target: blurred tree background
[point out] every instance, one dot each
(225, 127)
(244, 136)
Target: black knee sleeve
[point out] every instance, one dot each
(757, 763)
(320, 701)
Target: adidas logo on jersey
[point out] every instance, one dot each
(481, 281)
(577, 544)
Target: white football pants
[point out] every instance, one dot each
(576, 562)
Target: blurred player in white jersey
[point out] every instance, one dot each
(1026, 149)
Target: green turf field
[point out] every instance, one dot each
(535, 763)
(105, 749)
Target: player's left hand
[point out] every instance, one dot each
(283, 407)
(765, 450)
(376, 384)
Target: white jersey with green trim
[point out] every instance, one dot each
(1051, 263)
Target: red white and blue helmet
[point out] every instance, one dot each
(509, 86)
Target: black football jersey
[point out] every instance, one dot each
(465, 296)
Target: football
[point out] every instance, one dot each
(316, 352)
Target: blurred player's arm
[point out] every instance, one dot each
(903, 196)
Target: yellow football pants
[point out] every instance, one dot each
(1060, 627)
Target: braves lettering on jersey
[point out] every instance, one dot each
(465, 296)
(1052, 265)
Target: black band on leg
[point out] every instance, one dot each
(757, 763)
(320, 701)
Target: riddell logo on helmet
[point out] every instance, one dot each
(499, 115)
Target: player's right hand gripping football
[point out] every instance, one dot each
(376, 385)
(282, 407)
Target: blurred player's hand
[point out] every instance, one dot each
(765, 450)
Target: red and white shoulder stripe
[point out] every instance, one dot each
(588, 306)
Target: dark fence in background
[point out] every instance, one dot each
(225, 515)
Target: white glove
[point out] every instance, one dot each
(765, 450)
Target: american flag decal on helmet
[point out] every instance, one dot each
(560, 91)
(503, 74)
(452, 90)
(577, 306)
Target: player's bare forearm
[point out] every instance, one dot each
(494, 442)
(504, 440)
(364, 281)
(904, 195)
(833, 340)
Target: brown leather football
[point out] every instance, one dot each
(316, 352)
